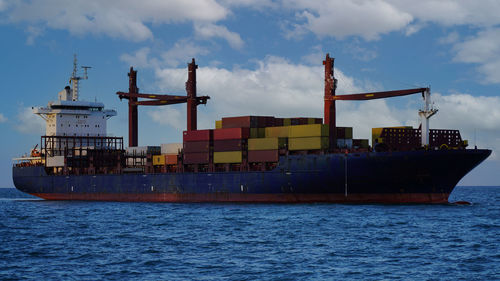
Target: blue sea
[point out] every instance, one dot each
(50, 240)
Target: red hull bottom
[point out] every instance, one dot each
(426, 198)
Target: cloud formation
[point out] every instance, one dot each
(29, 123)
(127, 19)
(3, 119)
(484, 50)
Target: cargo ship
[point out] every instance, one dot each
(244, 158)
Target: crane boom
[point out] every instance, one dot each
(378, 95)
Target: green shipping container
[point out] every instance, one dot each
(348, 132)
(312, 130)
(266, 143)
(310, 143)
(227, 157)
(277, 132)
(257, 133)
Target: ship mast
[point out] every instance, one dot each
(75, 80)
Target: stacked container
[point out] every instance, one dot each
(265, 149)
(169, 154)
(230, 144)
(308, 137)
(197, 146)
(344, 137)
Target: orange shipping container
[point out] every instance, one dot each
(171, 159)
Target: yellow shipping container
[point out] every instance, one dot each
(310, 143)
(227, 157)
(257, 132)
(266, 143)
(312, 130)
(158, 160)
(218, 124)
(277, 132)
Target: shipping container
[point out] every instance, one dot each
(279, 122)
(360, 143)
(240, 122)
(171, 159)
(287, 121)
(171, 148)
(55, 161)
(267, 143)
(231, 133)
(218, 124)
(308, 143)
(228, 157)
(313, 130)
(143, 150)
(257, 132)
(158, 160)
(344, 133)
(196, 158)
(197, 135)
(196, 146)
(277, 132)
(344, 143)
(314, 120)
(228, 145)
(263, 156)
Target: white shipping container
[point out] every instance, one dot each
(171, 148)
(142, 150)
(55, 161)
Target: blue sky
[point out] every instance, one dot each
(255, 57)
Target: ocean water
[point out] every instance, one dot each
(49, 240)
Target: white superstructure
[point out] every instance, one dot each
(69, 116)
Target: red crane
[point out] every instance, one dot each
(153, 99)
(330, 98)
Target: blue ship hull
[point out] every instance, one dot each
(370, 177)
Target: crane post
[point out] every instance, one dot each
(192, 102)
(329, 109)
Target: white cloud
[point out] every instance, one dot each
(483, 49)
(116, 18)
(343, 18)
(166, 115)
(210, 30)
(139, 58)
(370, 19)
(29, 123)
(181, 52)
(451, 38)
(3, 119)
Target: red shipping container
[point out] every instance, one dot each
(198, 135)
(340, 133)
(318, 120)
(278, 122)
(231, 133)
(196, 158)
(240, 122)
(196, 146)
(263, 156)
(228, 145)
